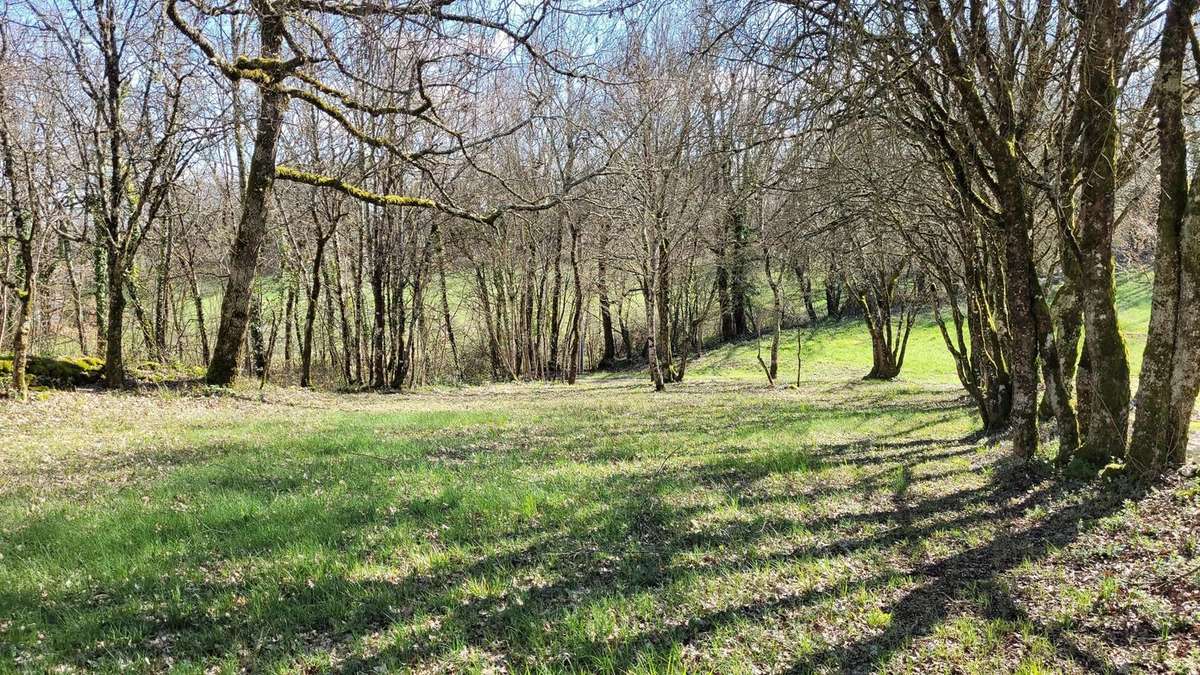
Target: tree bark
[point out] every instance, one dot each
(114, 358)
(575, 340)
(1023, 337)
(1108, 423)
(1170, 376)
(609, 356)
(24, 325)
(252, 228)
(310, 313)
(553, 367)
(650, 295)
(100, 287)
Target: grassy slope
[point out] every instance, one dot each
(843, 350)
(720, 527)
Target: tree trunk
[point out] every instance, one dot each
(139, 314)
(650, 294)
(486, 305)
(609, 356)
(777, 307)
(378, 369)
(343, 315)
(664, 340)
(833, 295)
(623, 329)
(114, 358)
(444, 296)
(728, 332)
(331, 351)
(1170, 376)
(252, 228)
(402, 364)
(357, 263)
(289, 309)
(1108, 426)
(100, 286)
(258, 346)
(162, 292)
(25, 298)
(806, 288)
(20, 380)
(738, 271)
(310, 314)
(555, 305)
(1023, 335)
(576, 338)
(1057, 391)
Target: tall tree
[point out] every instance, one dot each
(1170, 376)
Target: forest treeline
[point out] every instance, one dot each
(394, 193)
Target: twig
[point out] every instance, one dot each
(1186, 573)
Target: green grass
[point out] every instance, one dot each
(720, 527)
(843, 349)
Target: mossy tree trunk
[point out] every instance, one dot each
(1170, 376)
(26, 224)
(1108, 423)
(252, 227)
(1057, 388)
(26, 290)
(989, 116)
(114, 355)
(100, 288)
(257, 338)
(1067, 314)
(22, 329)
(1023, 337)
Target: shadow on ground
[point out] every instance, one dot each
(688, 539)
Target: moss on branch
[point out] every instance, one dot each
(319, 180)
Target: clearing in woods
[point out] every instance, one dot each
(721, 526)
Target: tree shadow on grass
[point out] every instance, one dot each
(646, 567)
(546, 568)
(920, 611)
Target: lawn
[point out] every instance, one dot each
(721, 526)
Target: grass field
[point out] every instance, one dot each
(719, 527)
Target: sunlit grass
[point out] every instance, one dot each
(719, 527)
